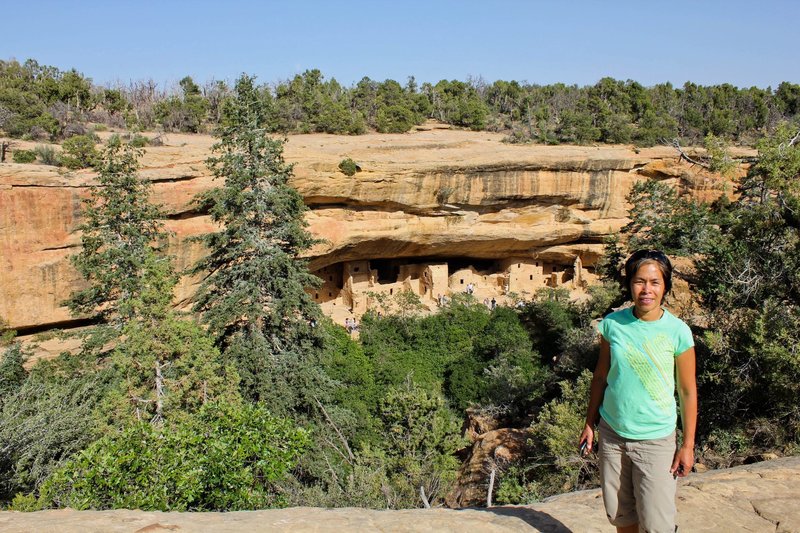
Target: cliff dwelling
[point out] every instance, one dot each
(352, 288)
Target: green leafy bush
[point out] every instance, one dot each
(24, 503)
(344, 361)
(514, 375)
(24, 156)
(79, 152)
(348, 167)
(227, 457)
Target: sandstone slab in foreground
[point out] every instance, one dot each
(759, 497)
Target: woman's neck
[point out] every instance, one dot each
(650, 316)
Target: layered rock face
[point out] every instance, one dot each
(434, 197)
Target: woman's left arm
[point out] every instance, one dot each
(687, 393)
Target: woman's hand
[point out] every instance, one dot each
(683, 462)
(587, 436)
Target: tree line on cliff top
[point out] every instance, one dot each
(257, 400)
(43, 102)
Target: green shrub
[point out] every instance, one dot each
(421, 436)
(24, 156)
(514, 372)
(24, 503)
(12, 372)
(79, 152)
(100, 127)
(553, 464)
(395, 119)
(46, 419)
(344, 361)
(139, 141)
(348, 167)
(48, 155)
(226, 457)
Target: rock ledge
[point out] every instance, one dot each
(758, 497)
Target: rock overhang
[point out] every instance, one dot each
(439, 194)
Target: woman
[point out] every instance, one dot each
(633, 399)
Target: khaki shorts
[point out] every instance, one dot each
(636, 482)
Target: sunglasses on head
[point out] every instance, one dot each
(658, 255)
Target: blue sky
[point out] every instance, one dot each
(704, 41)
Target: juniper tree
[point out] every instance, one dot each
(253, 297)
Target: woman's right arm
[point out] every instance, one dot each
(596, 394)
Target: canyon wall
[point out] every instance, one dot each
(432, 197)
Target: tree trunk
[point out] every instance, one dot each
(159, 394)
(425, 501)
(491, 487)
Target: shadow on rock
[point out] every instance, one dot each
(538, 520)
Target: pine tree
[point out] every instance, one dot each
(121, 228)
(163, 363)
(254, 297)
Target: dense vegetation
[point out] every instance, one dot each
(41, 102)
(257, 400)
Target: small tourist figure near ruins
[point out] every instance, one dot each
(632, 399)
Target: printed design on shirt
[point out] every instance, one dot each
(653, 367)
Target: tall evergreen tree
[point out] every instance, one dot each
(253, 297)
(121, 230)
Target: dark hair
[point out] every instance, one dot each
(640, 257)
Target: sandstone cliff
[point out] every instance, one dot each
(435, 197)
(761, 497)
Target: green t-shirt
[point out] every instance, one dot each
(639, 401)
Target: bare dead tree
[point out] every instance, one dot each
(143, 95)
(159, 392)
(491, 486)
(350, 455)
(792, 141)
(4, 147)
(425, 501)
(685, 157)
